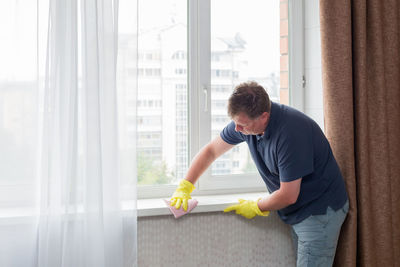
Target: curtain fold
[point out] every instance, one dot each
(361, 80)
(81, 220)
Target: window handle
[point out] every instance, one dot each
(205, 91)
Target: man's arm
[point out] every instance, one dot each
(286, 195)
(199, 164)
(205, 157)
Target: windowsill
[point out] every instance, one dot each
(209, 203)
(145, 207)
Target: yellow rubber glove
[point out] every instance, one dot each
(247, 208)
(182, 194)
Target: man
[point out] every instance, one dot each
(296, 163)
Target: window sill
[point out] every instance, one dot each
(145, 207)
(209, 203)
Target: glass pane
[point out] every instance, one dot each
(126, 93)
(245, 45)
(162, 112)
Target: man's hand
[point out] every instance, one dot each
(247, 208)
(182, 194)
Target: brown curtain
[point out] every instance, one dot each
(361, 81)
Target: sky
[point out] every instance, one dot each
(18, 40)
(257, 21)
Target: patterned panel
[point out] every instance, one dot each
(214, 239)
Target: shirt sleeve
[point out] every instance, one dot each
(229, 135)
(295, 153)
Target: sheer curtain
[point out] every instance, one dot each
(67, 117)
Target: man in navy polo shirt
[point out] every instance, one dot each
(296, 163)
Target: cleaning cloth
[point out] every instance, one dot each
(192, 203)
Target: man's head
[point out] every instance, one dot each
(249, 107)
(249, 98)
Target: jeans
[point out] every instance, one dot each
(315, 238)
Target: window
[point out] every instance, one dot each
(162, 128)
(182, 93)
(23, 47)
(18, 97)
(243, 54)
(201, 59)
(179, 55)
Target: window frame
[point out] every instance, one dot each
(199, 98)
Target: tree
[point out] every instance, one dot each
(150, 172)
(250, 166)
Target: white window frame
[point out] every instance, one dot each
(296, 54)
(199, 98)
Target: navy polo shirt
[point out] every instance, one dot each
(293, 146)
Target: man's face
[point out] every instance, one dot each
(248, 126)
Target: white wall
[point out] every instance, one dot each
(312, 43)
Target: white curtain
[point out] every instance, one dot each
(74, 203)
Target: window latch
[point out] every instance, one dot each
(205, 91)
